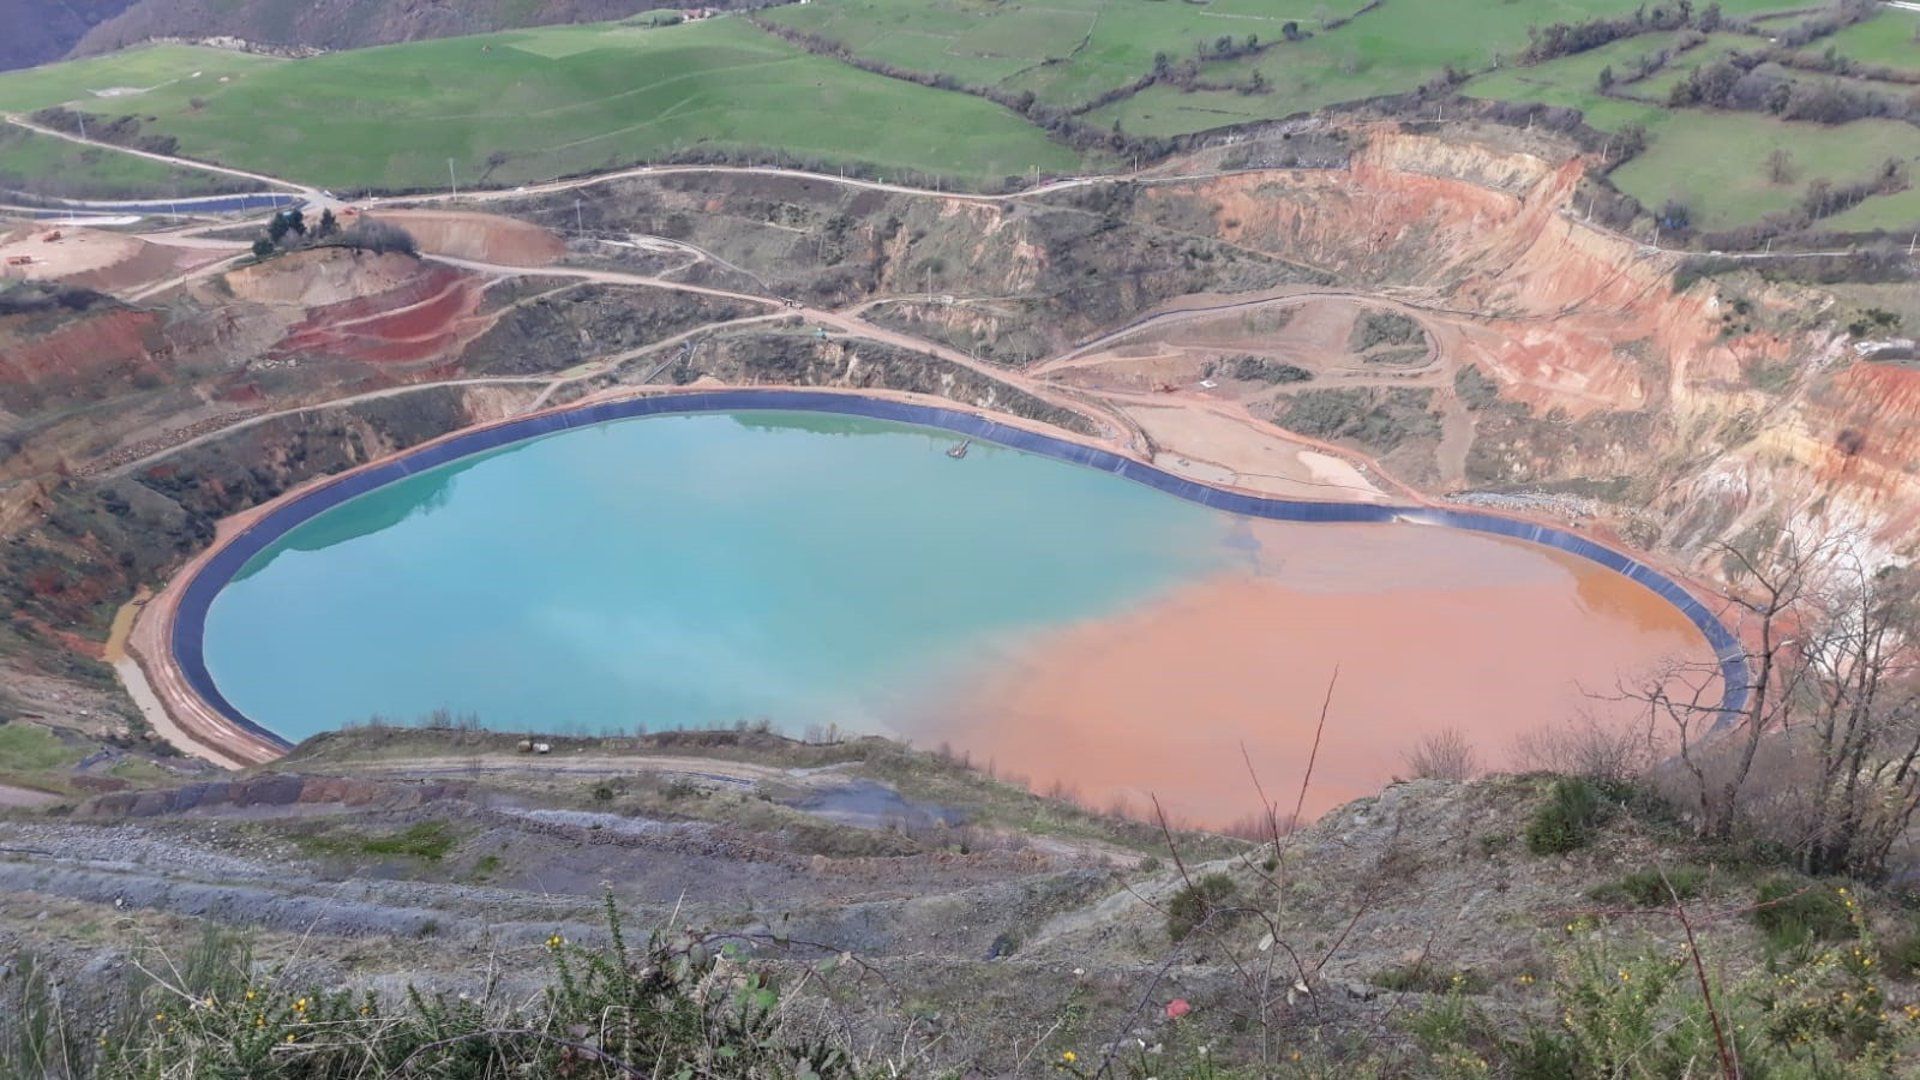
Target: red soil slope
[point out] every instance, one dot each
(424, 318)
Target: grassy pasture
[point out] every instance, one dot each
(1065, 51)
(114, 82)
(541, 103)
(1658, 87)
(43, 164)
(1886, 40)
(1717, 164)
(1899, 212)
(1389, 50)
(514, 107)
(1714, 162)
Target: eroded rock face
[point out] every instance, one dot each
(1713, 407)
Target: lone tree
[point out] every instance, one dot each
(1780, 166)
(1832, 716)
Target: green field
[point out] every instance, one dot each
(36, 164)
(1064, 51)
(1886, 40)
(1070, 51)
(1573, 82)
(543, 103)
(522, 106)
(1389, 50)
(1717, 163)
(1714, 162)
(1658, 87)
(1899, 213)
(112, 83)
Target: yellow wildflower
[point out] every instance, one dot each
(1069, 1057)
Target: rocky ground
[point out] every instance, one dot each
(1013, 927)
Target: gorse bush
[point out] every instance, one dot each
(1793, 912)
(1649, 888)
(1902, 955)
(1427, 977)
(1208, 900)
(680, 1010)
(1642, 1016)
(1566, 823)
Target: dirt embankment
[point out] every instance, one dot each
(321, 276)
(88, 355)
(487, 238)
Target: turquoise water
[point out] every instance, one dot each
(689, 570)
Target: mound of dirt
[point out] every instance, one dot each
(484, 238)
(322, 276)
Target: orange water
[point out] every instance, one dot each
(1429, 629)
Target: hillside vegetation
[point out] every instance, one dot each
(531, 105)
(1718, 117)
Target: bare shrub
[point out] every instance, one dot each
(1443, 755)
(1586, 746)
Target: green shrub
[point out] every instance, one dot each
(1648, 888)
(427, 840)
(1379, 327)
(1902, 955)
(1426, 977)
(609, 1012)
(1640, 1016)
(1260, 369)
(1566, 822)
(1205, 900)
(1793, 912)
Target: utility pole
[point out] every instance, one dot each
(451, 180)
(83, 125)
(1911, 244)
(577, 226)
